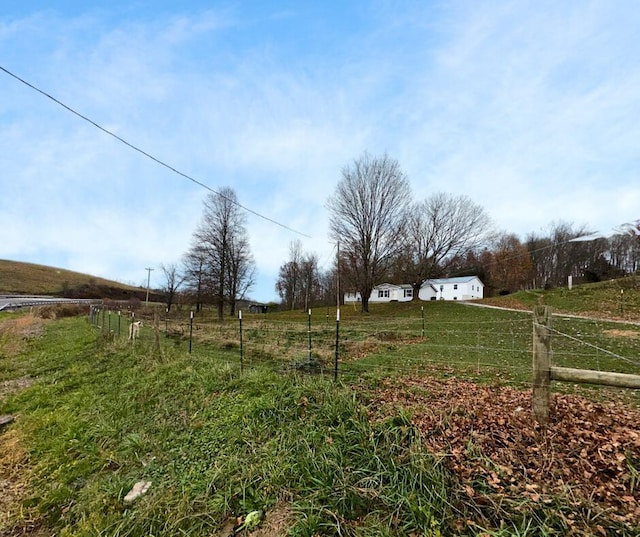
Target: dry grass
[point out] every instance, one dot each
(13, 480)
(615, 333)
(28, 278)
(16, 331)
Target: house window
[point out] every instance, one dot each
(408, 293)
(455, 285)
(383, 293)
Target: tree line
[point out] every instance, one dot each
(382, 235)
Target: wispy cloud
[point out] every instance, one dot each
(527, 107)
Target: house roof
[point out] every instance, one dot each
(459, 279)
(394, 285)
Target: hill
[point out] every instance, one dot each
(17, 277)
(613, 299)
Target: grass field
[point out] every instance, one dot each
(612, 299)
(97, 413)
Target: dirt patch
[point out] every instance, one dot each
(277, 521)
(589, 454)
(615, 333)
(8, 387)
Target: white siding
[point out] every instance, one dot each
(463, 288)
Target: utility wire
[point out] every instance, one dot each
(148, 155)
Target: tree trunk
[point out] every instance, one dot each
(416, 291)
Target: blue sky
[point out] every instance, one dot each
(528, 107)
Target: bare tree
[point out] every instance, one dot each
(624, 252)
(240, 268)
(298, 282)
(287, 285)
(310, 279)
(173, 280)
(441, 229)
(194, 270)
(556, 256)
(222, 237)
(368, 214)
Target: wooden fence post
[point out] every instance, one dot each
(541, 363)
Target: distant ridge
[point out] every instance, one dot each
(20, 278)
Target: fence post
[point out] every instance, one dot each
(309, 335)
(422, 310)
(335, 365)
(241, 346)
(541, 363)
(190, 330)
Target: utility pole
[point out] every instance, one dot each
(148, 269)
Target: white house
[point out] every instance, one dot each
(462, 288)
(385, 292)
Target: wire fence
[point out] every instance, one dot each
(465, 341)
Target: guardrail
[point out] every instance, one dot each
(27, 303)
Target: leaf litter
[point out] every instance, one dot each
(588, 454)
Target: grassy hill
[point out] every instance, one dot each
(613, 299)
(17, 277)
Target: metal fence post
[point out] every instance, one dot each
(309, 334)
(241, 345)
(335, 365)
(190, 331)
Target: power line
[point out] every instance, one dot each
(148, 155)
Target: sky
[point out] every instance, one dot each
(529, 108)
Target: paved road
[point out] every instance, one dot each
(14, 302)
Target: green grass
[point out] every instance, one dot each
(480, 344)
(617, 299)
(217, 442)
